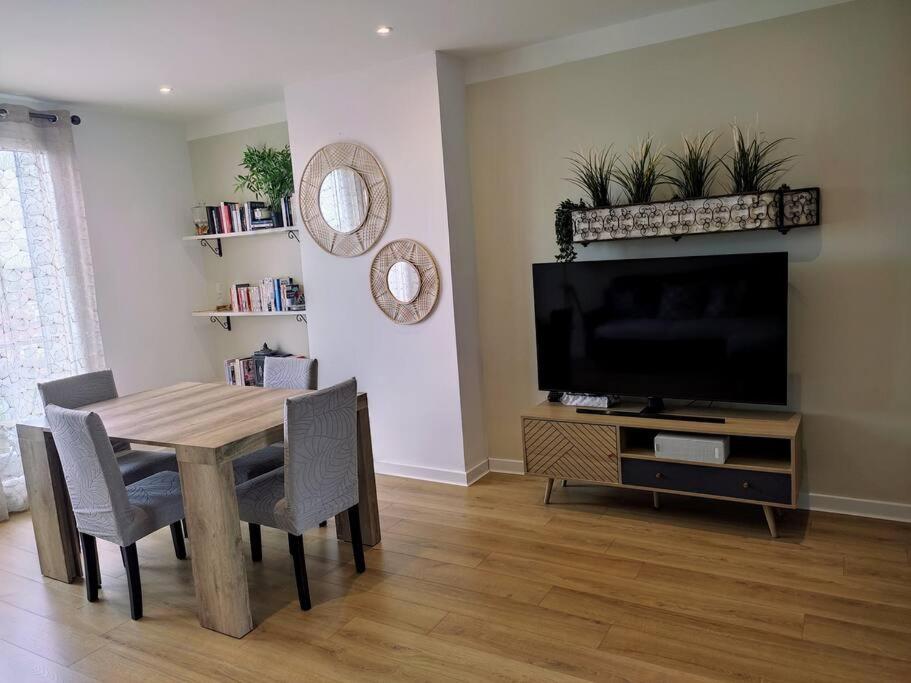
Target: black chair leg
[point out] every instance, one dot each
(186, 529)
(123, 557)
(92, 572)
(324, 523)
(133, 582)
(256, 542)
(357, 542)
(177, 536)
(296, 546)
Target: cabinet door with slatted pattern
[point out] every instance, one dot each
(570, 450)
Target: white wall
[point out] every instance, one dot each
(410, 372)
(138, 195)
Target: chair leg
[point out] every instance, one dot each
(256, 542)
(296, 546)
(357, 543)
(92, 572)
(186, 529)
(133, 582)
(177, 536)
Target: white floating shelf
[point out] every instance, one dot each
(243, 314)
(247, 233)
(223, 318)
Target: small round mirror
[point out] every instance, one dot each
(343, 199)
(404, 281)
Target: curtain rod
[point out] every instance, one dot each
(44, 116)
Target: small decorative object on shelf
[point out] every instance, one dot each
(200, 219)
(780, 209)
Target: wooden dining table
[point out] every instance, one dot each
(208, 426)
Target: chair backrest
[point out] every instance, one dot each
(94, 482)
(79, 390)
(321, 454)
(289, 372)
(82, 390)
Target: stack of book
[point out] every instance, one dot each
(239, 371)
(229, 217)
(268, 295)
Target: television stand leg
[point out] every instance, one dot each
(770, 520)
(547, 489)
(563, 483)
(656, 500)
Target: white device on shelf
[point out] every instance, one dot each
(691, 447)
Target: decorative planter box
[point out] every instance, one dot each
(780, 209)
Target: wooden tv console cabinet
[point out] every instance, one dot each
(615, 450)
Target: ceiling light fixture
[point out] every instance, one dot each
(165, 90)
(384, 30)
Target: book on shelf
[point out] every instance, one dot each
(268, 296)
(240, 372)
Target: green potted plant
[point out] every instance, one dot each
(750, 165)
(268, 176)
(640, 173)
(593, 173)
(695, 167)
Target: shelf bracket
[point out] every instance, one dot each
(225, 324)
(216, 249)
(292, 235)
(301, 317)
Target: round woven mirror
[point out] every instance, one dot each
(404, 281)
(344, 199)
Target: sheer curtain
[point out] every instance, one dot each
(48, 317)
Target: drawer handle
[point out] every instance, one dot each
(746, 484)
(658, 475)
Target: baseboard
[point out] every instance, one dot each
(477, 472)
(506, 466)
(859, 507)
(439, 475)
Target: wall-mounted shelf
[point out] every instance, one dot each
(223, 318)
(207, 240)
(780, 209)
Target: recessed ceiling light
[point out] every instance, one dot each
(165, 90)
(384, 30)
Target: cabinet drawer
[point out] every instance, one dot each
(765, 487)
(570, 450)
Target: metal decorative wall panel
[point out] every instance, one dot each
(780, 209)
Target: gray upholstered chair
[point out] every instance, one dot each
(318, 481)
(278, 373)
(92, 387)
(290, 372)
(104, 507)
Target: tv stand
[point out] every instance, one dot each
(616, 448)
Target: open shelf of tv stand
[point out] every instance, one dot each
(618, 450)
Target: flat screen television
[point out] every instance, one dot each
(711, 328)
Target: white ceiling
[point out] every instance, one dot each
(225, 55)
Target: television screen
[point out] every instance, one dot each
(711, 328)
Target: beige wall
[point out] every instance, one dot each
(836, 80)
(215, 163)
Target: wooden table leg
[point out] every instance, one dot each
(368, 504)
(770, 520)
(52, 513)
(216, 546)
(548, 487)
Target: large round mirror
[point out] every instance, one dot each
(404, 281)
(343, 199)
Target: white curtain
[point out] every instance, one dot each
(48, 316)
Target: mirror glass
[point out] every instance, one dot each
(343, 199)
(404, 281)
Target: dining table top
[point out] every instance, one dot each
(192, 414)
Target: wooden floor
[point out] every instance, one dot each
(487, 583)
